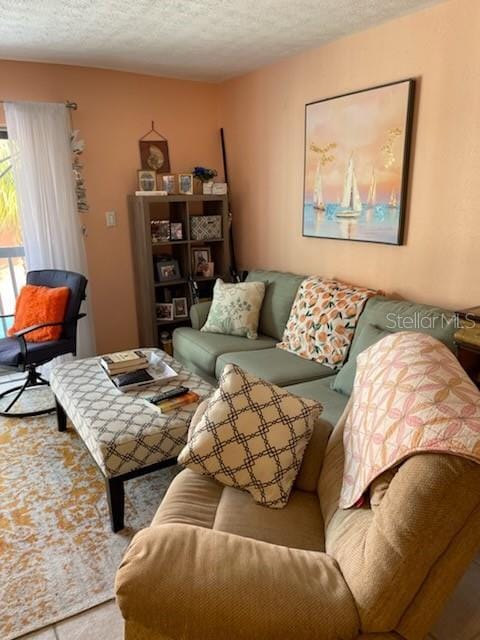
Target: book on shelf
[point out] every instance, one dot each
(176, 403)
(143, 377)
(124, 361)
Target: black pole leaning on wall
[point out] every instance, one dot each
(233, 262)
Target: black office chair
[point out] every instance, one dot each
(17, 353)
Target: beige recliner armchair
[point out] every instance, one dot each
(214, 565)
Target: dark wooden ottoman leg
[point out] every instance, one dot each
(61, 416)
(116, 502)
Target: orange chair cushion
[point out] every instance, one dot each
(36, 305)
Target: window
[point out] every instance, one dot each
(12, 262)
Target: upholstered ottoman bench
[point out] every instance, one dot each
(125, 434)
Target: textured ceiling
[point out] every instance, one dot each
(194, 39)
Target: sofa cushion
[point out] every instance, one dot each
(281, 289)
(366, 338)
(252, 436)
(278, 367)
(235, 308)
(200, 350)
(402, 315)
(333, 402)
(383, 316)
(191, 499)
(202, 501)
(299, 525)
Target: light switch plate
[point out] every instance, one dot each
(111, 218)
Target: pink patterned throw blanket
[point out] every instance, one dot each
(323, 320)
(410, 396)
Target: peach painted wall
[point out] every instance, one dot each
(115, 109)
(263, 117)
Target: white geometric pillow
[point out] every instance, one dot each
(252, 436)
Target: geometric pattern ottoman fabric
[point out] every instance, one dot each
(123, 431)
(252, 436)
(410, 396)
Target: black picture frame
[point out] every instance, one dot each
(164, 311)
(168, 270)
(180, 308)
(314, 217)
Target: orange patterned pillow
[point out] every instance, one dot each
(36, 305)
(323, 319)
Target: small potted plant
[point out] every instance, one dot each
(205, 177)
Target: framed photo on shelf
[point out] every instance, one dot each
(147, 180)
(180, 308)
(166, 183)
(168, 270)
(176, 231)
(185, 184)
(201, 261)
(160, 230)
(164, 311)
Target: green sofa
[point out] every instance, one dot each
(208, 353)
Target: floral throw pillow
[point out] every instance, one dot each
(323, 320)
(235, 309)
(251, 435)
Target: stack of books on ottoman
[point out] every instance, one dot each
(124, 362)
(134, 369)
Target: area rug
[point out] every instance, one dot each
(58, 554)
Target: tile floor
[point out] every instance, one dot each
(100, 623)
(460, 620)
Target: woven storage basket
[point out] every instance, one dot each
(206, 227)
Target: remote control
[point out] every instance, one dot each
(168, 395)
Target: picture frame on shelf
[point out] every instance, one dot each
(147, 180)
(185, 184)
(167, 183)
(168, 270)
(176, 231)
(164, 230)
(160, 231)
(201, 258)
(219, 188)
(164, 311)
(180, 308)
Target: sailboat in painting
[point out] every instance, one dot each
(372, 191)
(393, 203)
(351, 205)
(318, 191)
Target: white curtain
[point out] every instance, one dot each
(39, 135)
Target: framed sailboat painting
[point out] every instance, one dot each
(357, 149)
